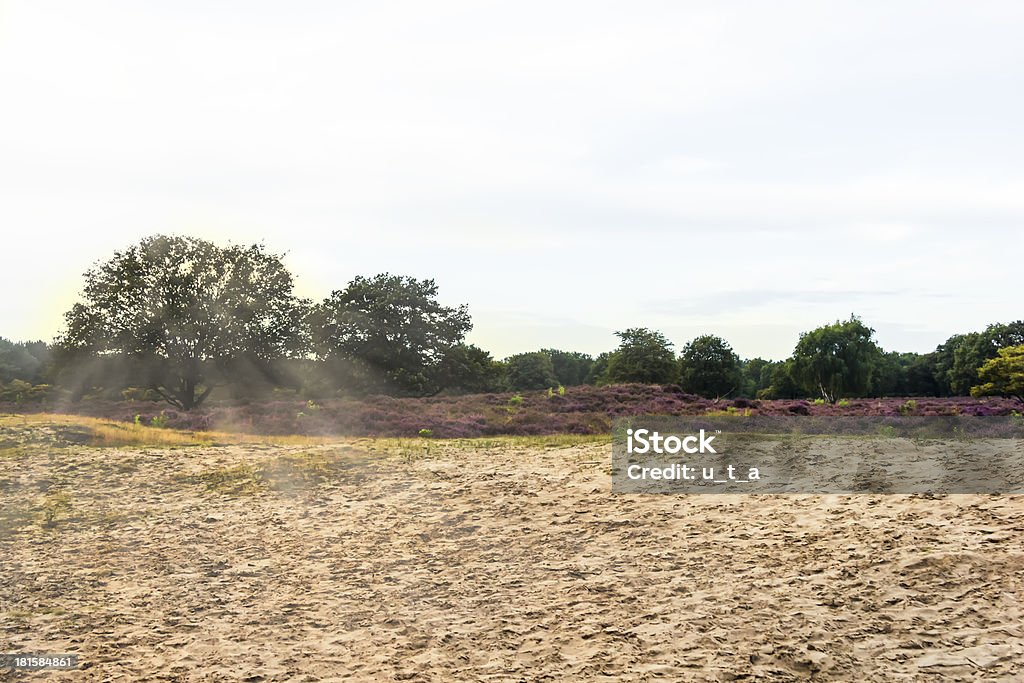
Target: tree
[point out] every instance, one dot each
(777, 381)
(571, 367)
(709, 367)
(752, 372)
(836, 360)
(920, 373)
(187, 309)
(598, 374)
(469, 369)
(389, 333)
(526, 371)
(1002, 375)
(24, 361)
(643, 356)
(972, 350)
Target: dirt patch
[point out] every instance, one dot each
(486, 561)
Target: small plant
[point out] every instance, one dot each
(551, 392)
(138, 419)
(426, 433)
(54, 505)
(515, 401)
(909, 408)
(844, 403)
(159, 421)
(561, 390)
(887, 432)
(819, 401)
(312, 406)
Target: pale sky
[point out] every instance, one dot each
(748, 169)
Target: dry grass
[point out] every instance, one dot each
(107, 433)
(102, 432)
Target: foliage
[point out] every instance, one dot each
(752, 372)
(599, 370)
(778, 382)
(1002, 375)
(836, 359)
(469, 369)
(526, 371)
(582, 410)
(971, 351)
(644, 356)
(25, 361)
(709, 367)
(388, 334)
(21, 392)
(571, 368)
(186, 309)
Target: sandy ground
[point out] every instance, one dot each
(486, 562)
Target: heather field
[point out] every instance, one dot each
(579, 410)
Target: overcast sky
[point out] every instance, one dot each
(750, 169)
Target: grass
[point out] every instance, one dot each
(101, 432)
(54, 506)
(236, 480)
(484, 442)
(288, 472)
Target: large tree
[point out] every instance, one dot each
(970, 351)
(388, 333)
(836, 360)
(1002, 375)
(469, 369)
(643, 356)
(571, 367)
(533, 370)
(23, 360)
(709, 367)
(188, 309)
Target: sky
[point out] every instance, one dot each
(567, 169)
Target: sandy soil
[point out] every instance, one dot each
(490, 562)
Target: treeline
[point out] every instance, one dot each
(176, 319)
(838, 360)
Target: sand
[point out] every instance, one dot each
(486, 562)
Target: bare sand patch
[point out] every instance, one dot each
(485, 560)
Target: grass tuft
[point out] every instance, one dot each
(101, 432)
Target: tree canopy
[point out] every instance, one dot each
(1002, 375)
(187, 308)
(176, 316)
(963, 354)
(533, 370)
(709, 367)
(836, 360)
(643, 356)
(25, 361)
(389, 333)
